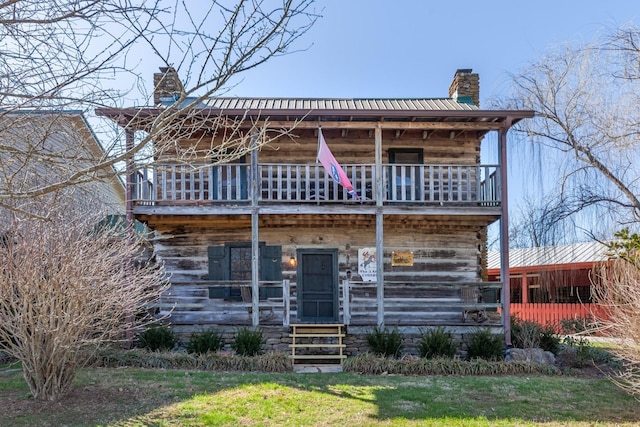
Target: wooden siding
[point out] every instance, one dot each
(357, 146)
(427, 293)
(64, 145)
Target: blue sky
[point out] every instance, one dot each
(411, 48)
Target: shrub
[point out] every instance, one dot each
(384, 342)
(436, 342)
(205, 341)
(483, 344)
(219, 362)
(576, 325)
(528, 334)
(369, 364)
(158, 338)
(248, 342)
(586, 354)
(549, 341)
(524, 333)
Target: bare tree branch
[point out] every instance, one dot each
(60, 53)
(585, 99)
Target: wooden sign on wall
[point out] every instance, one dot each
(402, 259)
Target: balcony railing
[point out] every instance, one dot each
(306, 183)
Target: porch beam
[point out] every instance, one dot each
(487, 126)
(195, 210)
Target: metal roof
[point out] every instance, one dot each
(342, 104)
(551, 255)
(450, 111)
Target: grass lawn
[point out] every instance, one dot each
(146, 397)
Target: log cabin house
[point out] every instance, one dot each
(270, 240)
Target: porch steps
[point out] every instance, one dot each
(317, 345)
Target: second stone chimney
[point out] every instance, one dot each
(166, 84)
(465, 87)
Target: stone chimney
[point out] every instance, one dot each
(166, 84)
(465, 87)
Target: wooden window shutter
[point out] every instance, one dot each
(271, 267)
(271, 263)
(218, 265)
(218, 270)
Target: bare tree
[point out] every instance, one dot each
(618, 291)
(542, 223)
(585, 100)
(68, 285)
(61, 54)
(55, 53)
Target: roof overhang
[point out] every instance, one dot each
(478, 120)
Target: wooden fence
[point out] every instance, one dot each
(549, 313)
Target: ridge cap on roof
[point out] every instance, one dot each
(316, 98)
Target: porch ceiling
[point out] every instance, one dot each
(336, 221)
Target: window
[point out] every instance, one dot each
(406, 156)
(232, 261)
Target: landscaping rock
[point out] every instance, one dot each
(533, 355)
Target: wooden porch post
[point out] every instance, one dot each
(255, 245)
(346, 306)
(286, 302)
(129, 219)
(379, 229)
(524, 290)
(504, 233)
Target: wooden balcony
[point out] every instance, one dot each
(278, 184)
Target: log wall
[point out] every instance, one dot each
(358, 146)
(442, 258)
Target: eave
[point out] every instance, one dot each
(478, 120)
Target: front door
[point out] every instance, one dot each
(404, 179)
(318, 285)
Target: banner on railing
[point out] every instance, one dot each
(325, 156)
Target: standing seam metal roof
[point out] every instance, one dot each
(378, 104)
(551, 255)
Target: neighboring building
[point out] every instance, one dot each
(551, 284)
(272, 241)
(42, 149)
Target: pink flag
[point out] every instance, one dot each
(333, 167)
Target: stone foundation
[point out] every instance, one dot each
(276, 339)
